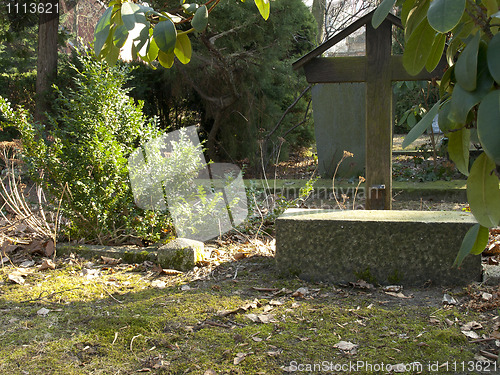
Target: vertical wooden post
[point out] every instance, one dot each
(378, 117)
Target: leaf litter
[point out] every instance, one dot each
(276, 305)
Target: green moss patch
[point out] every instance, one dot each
(238, 319)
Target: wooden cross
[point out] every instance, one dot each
(379, 68)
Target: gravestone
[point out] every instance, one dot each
(410, 248)
(337, 128)
(378, 69)
(388, 247)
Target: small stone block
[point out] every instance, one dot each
(491, 274)
(387, 247)
(181, 254)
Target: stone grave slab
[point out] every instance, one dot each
(338, 127)
(409, 248)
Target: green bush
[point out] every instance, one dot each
(81, 155)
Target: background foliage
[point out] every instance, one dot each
(239, 81)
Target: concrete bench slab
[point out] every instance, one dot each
(388, 247)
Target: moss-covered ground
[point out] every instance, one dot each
(239, 318)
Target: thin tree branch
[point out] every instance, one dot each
(287, 111)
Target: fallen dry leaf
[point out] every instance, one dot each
(268, 308)
(492, 249)
(449, 322)
(49, 248)
(486, 296)
(210, 372)
(16, 278)
(239, 358)
(8, 248)
(346, 346)
(471, 326)
(393, 288)
(43, 311)
(362, 284)
(495, 335)
(449, 300)
(261, 318)
(111, 261)
(398, 295)
(240, 255)
(165, 271)
(471, 334)
(300, 293)
(46, 265)
(273, 353)
(89, 273)
(171, 272)
(27, 263)
(160, 284)
(248, 306)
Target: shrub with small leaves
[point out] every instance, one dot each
(80, 156)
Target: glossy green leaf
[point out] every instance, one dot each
(264, 7)
(444, 15)
(421, 126)
(466, 66)
(416, 15)
(381, 12)
(458, 148)
(120, 36)
(406, 8)
(412, 120)
(463, 101)
(491, 6)
(153, 50)
(445, 124)
(116, 18)
(190, 8)
(488, 125)
(417, 48)
(474, 242)
(437, 50)
(102, 30)
(183, 49)
(200, 19)
(165, 36)
(112, 55)
(166, 59)
(483, 193)
(455, 43)
(107, 45)
(131, 14)
(494, 57)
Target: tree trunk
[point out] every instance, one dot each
(47, 56)
(212, 136)
(318, 10)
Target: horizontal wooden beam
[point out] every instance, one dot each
(353, 69)
(336, 69)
